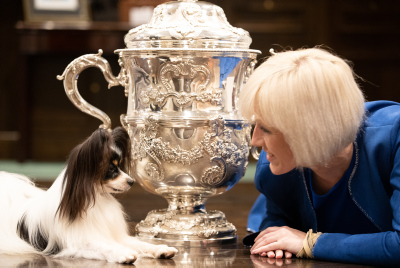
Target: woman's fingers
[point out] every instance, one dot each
(268, 230)
(265, 248)
(279, 238)
(279, 254)
(271, 254)
(266, 239)
(263, 254)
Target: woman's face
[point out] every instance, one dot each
(274, 144)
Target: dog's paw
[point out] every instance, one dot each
(165, 252)
(128, 259)
(123, 256)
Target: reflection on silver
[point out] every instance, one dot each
(182, 73)
(254, 152)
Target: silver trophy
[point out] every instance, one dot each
(182, 73)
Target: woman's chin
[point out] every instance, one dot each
(279, 169)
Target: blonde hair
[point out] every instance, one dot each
(311, 96)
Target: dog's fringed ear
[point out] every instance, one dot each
(86, 166)
(123, 142)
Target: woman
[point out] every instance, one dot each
(329, 172)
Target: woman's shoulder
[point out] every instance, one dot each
(380, 131)
(382, 113)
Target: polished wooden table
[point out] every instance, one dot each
(235, 203)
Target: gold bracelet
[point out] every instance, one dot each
(308, 244)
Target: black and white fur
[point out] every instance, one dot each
(78, 216)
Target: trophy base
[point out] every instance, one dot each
(182, 228)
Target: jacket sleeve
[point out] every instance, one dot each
(371, 249)
(256, 214)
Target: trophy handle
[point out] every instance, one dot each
(71, 75)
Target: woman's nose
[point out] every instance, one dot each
(256, 139)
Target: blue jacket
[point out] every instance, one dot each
(374, 188)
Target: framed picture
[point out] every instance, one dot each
(56, 10)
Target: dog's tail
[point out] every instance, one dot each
(16, 191)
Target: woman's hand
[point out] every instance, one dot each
(274, 242)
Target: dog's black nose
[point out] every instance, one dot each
(130, 182)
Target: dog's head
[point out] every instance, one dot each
(96, 166)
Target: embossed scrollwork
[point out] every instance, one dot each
(152, 171)
(193, 14)
(155, 96)
(187, 69)
(213, 176)
(145, 146)
(216, 143)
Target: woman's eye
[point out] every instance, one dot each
(263, 129)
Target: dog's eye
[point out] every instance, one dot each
(112, 168)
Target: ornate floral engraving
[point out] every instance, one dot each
(217, 143)
(193, 14)
(155, 96)
(158, 16)
(214, 175)
(186, 69)
(152, 171)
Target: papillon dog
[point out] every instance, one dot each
(78, 216)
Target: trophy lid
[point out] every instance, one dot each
(188, 24)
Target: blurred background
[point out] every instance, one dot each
(39, 125)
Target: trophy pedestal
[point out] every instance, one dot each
(186, 228)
